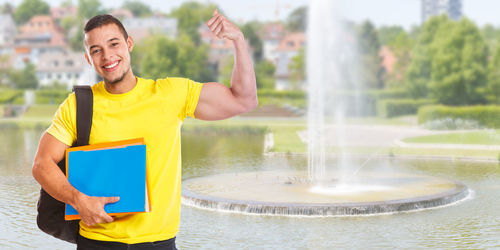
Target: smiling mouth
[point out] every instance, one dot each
(111, 67)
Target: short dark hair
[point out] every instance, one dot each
(101, 20)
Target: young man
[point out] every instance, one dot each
(126, 107)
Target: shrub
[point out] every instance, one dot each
(50, 96)
(9, 95)
(290, 94)
(394, 93)
(19, 100)
(396, 107)
(482, 116)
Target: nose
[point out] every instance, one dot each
(106, 54)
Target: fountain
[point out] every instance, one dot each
(346, 188)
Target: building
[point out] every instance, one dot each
(7, 29)
(122, 13)
(140, 28)
(271, 35)
(221, 50)
(46, 26)
(388, 59)
(38, 36)
(59, 13)
(288, 48)
(453, 8)
(69, 68)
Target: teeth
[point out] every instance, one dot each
(111, 66)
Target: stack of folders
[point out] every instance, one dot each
(108, 170)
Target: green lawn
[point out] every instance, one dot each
(486, 137)
(396, 121)
(286, 139)
(41, 110)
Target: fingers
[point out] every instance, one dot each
(106, 218)
(97, 219)
(213, 19)
(217, 30)
(217, 25)
(94, 212)
(111, 199)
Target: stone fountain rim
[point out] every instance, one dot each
(460, 188)
(458, 193)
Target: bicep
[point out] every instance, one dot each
(50, 148)
(217, 102)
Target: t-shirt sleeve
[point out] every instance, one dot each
(185, 92)
(192, 96)
(63, 125)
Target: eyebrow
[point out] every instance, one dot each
(110, 40)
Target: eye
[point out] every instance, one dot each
(95, 51)
(114, 44)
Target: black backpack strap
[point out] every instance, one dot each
(84, 109)
(50, 218)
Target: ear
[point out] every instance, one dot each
(130, 43)
(88, 59)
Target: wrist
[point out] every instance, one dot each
(76, 198)
(239, 40)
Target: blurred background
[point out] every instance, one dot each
(412, 54)
(428, 73)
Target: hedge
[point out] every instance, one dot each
(389, 94)
(9, 95)
(483, 116)
(356, 103)
(50, 96)
(397, 107)
(291, 94)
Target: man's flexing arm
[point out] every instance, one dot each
(217, 101)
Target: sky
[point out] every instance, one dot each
(381, 12)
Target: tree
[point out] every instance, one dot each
(494, 75)
(89, 8)
(491, 35)
(160, 56)
(73, 30)
(67, 3)
(369, 46)
(418, 74)
(401, 48)
(459, 64)
(387, 34)
(297, 20)
(190, 16)
(29, 8)
(7, 8)
(25, 78)
(137, 8)
(264, 74)
(250, 32)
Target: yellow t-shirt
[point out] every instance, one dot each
(153, 110)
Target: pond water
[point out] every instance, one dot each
(471, 224)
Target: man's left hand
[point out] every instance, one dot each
(222, 28)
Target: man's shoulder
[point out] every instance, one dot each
(170, 80)
(169, 85)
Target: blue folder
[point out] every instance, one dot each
(110, 172)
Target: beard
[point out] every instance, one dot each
(119, 79)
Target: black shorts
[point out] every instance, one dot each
(83, 243)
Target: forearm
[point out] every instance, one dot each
(243, 82)
(53, 181)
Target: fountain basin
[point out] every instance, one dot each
(288, 192)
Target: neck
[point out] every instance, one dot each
(123, 86)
